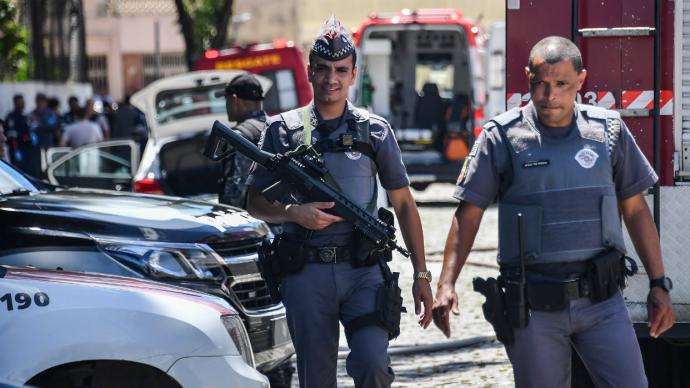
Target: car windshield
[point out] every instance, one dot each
(185, 103)
(12, 182)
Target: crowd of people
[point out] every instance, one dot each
(26, 136)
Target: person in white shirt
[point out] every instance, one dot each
(81, 132)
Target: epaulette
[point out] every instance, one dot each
(508, 117)
(360, 114)
(597, 112)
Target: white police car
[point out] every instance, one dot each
(64, 329)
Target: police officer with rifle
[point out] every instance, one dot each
(332, 271)
(562, 173)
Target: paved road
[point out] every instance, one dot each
(479, 366)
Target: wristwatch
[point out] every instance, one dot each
(423, 275)
(664, 282)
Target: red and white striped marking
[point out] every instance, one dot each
(644, 99)
(631, 99)
(514, 100)
(601, 98)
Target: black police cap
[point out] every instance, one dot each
(333, 42)
(244, 86)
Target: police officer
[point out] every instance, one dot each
(243, 103)
(567, 169)
(329, 289)
(25, 152)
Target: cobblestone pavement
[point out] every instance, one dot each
(485, 365)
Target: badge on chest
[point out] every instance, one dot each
(586, 157)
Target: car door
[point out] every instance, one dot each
(107, 165)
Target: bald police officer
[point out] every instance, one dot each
(568, 170)
(243, 104)
(329, 288)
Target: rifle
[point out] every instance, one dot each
(302, 173)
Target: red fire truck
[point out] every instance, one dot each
(281, 61)
(422, 70)
(636, 53)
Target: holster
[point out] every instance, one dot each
(276, 259)
(388, 310)
(494, 308)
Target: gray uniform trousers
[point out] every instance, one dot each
(316, 300)
(601, 333)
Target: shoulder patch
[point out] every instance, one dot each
(474, 150)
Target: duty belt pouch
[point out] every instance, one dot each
(605, 275)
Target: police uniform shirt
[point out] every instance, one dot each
(391, 170)
(488, 171)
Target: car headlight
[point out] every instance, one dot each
(168, 260)
(235, 327)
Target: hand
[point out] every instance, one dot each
(311, 216)
(446, 300)
(659, 311)
(421, 292)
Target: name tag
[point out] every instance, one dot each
(535, 163)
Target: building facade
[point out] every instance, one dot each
(123, 37)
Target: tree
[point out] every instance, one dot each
(204, 25)
(12, 41)
(57, 40)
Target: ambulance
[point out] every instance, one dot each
(637, 56)
(423, 71)
(280, 61)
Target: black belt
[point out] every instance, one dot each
(328, 254)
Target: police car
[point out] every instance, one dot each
(66, 329)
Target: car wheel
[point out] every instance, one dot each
(103, 374)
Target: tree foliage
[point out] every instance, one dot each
(13, 50)
(204, 25)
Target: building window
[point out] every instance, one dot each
(98, 73)
(171, 64)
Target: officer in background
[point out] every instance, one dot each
(25, 152)
(4, 153)
(243, 103)
(329, 288)
(566, 169)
